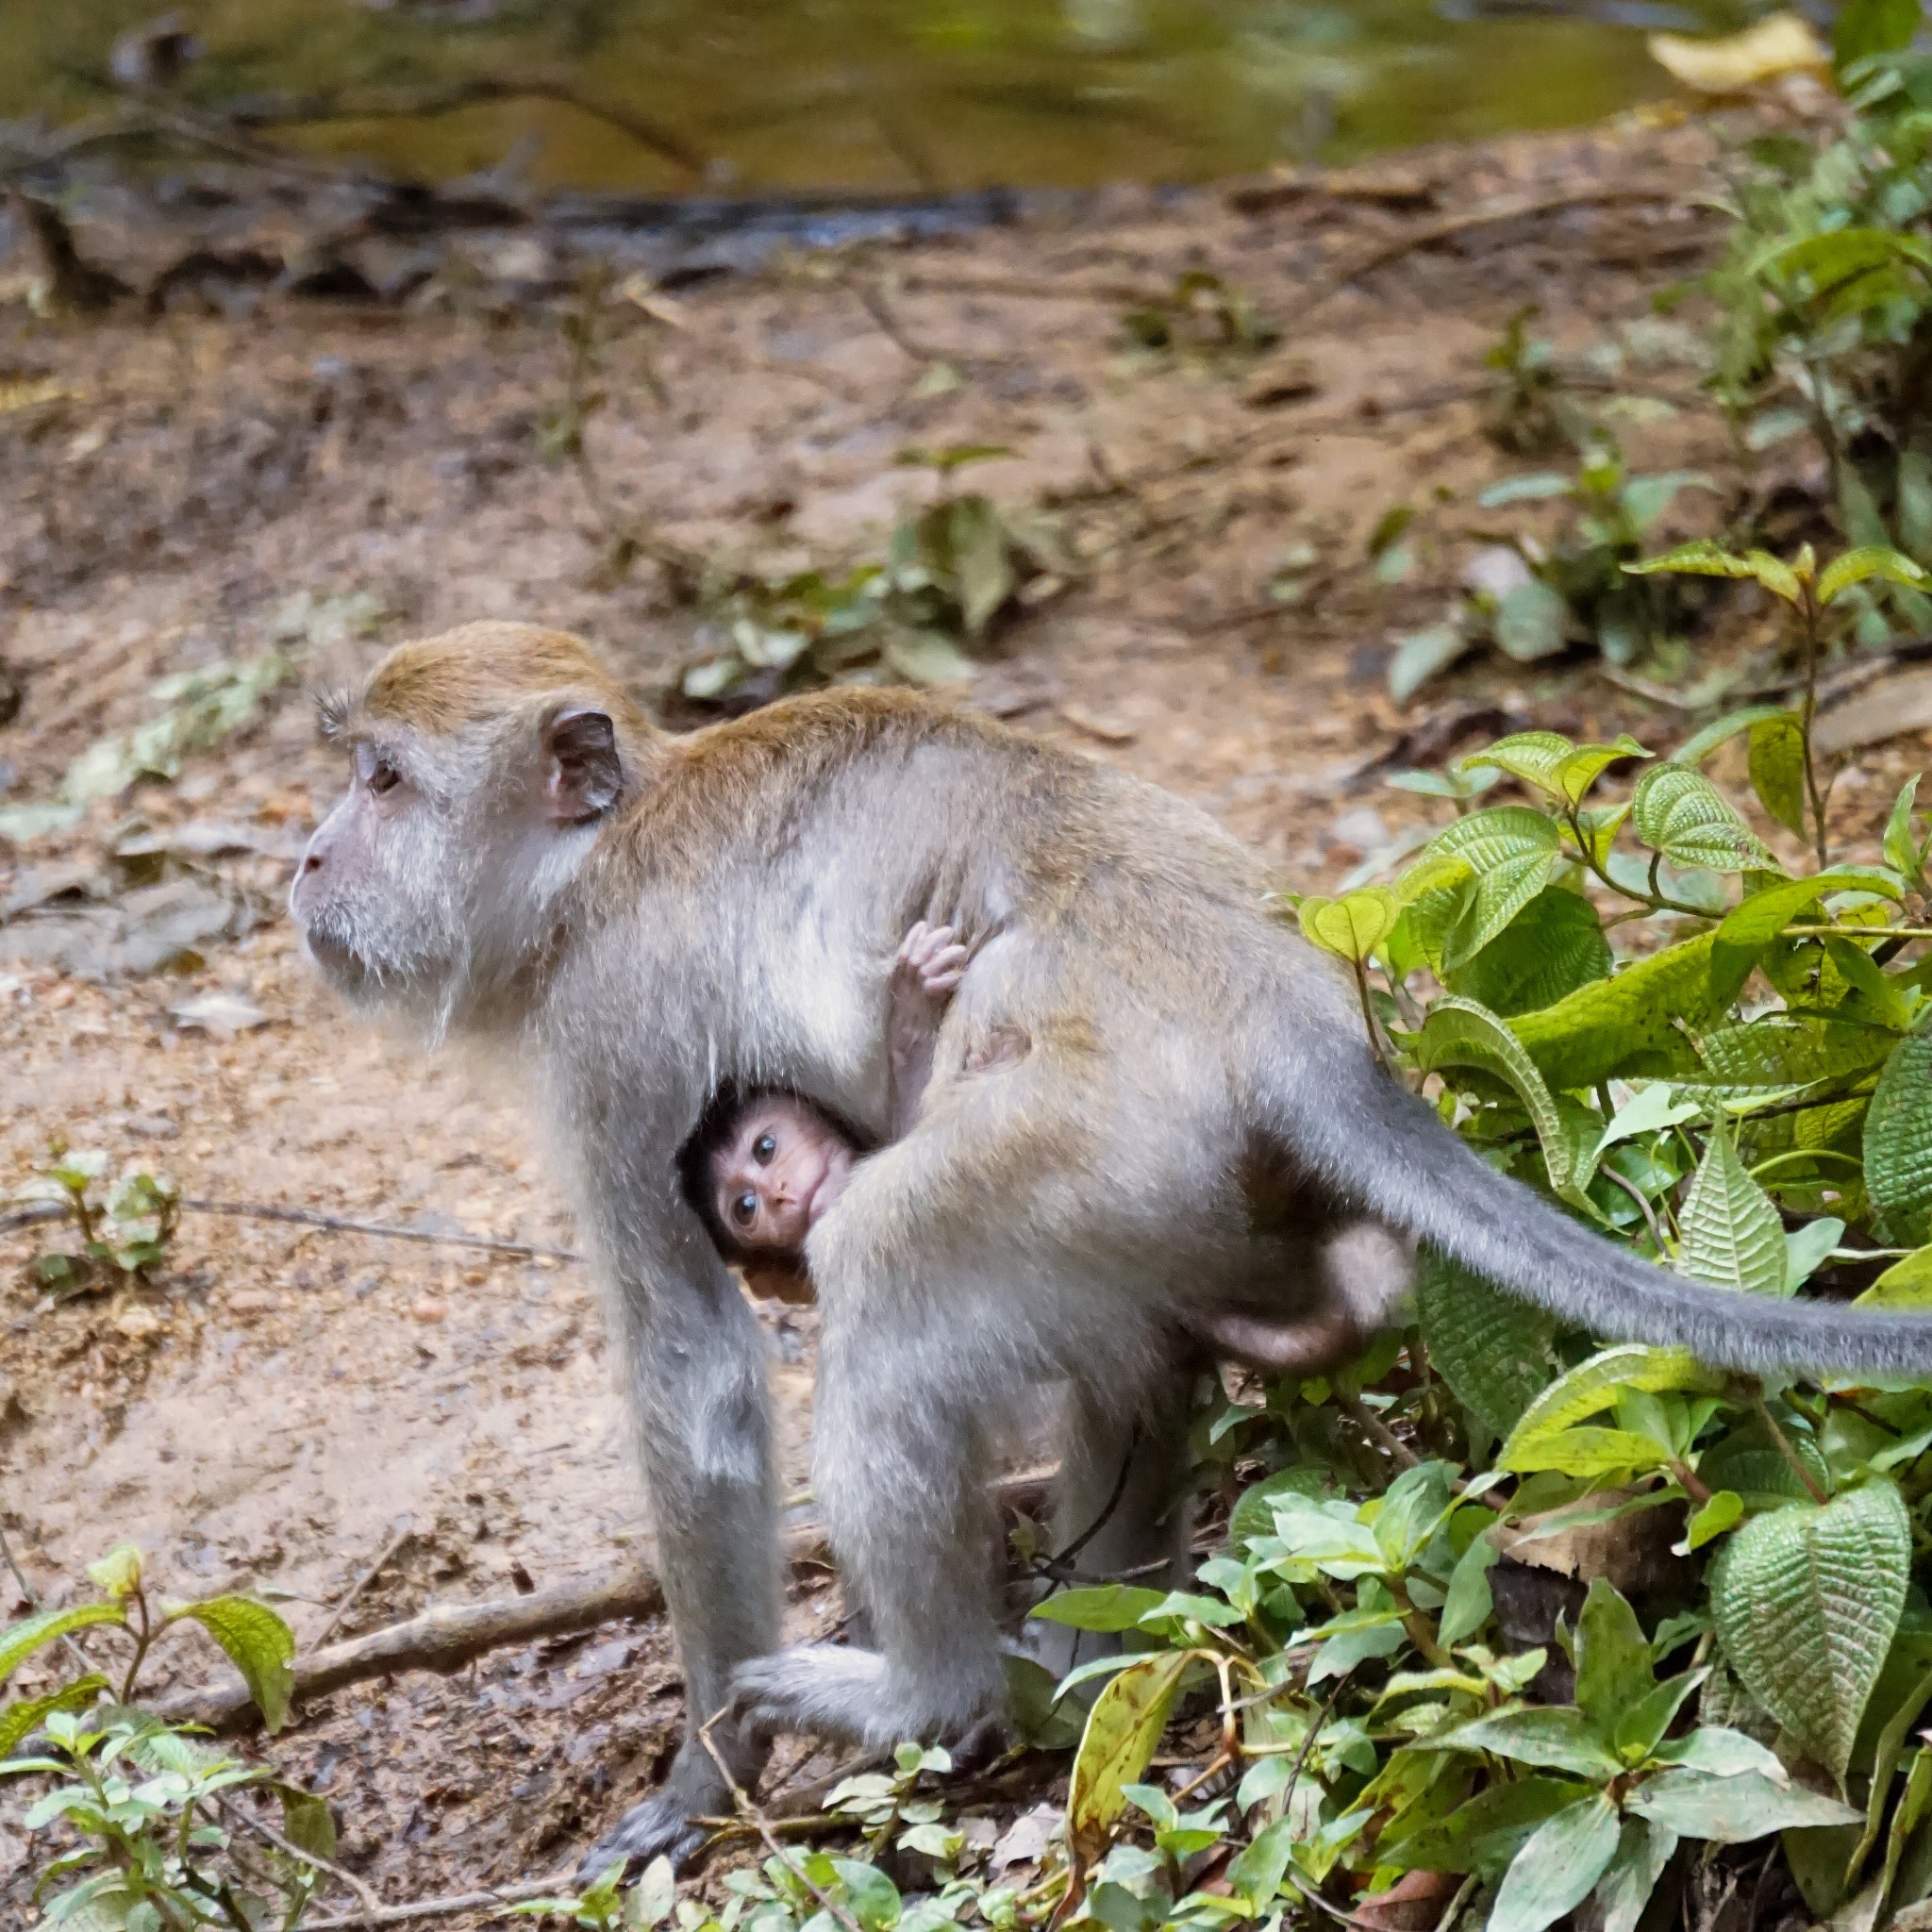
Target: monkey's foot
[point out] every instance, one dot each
(660, 1827)
(831, 1691)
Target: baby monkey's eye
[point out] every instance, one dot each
(764, 1148)
(745, 1209)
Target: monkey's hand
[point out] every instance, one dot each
(930, 960)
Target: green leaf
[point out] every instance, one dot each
(1424, 655)
(871, 1897)
(1256, 1872)
(1556, 1737)
(1898, 1139)
(1459, 1033)
(1122, 1730)
(1906, 1284)
(1613, 1669)
(1700, 745)
(1872, 27)
(1777, 770)
(1535, 756)
(23, 1717)
(1745, 931)
(1483, 1835)
(1805, 1600)
(1532, 621)
(1468, 1603)
(1102, 1606)
(1552, 946)
(1587, 1451)
(927, 658)
(1589, 762)
(19, 1641)
(1493, 1351)
(1725, 1510)
(1352, 926)
(1640, 1727)
(1558, 1868)
(1626, 1025)
(1512, 850)
(1720, 1751)
(1591, 1386)
(1254, 1515)
(1536, 488)
(1733, 1235)
(259, 1644)
(1891, 1747)
(1680, 813)
(1732, 1810)
(1902, 852)
(308, 1824)
(1642, 1852)
(1704, 558)
(1870, 560)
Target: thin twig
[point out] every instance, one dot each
(371, 1899)
(404, 1529)
(444, 1907)
(1377, 1431)
(1636, 1193)
(753, 1816)
(1784, 1445)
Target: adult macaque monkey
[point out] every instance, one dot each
(640, 919)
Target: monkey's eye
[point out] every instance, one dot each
(744, 1210)
(375, 771)
(764, 1148)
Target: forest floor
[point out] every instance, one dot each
(319, 477)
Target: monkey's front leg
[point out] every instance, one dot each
(692, 1370)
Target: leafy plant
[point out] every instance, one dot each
(124, 1231)
(1203, 314)
(143, 1799)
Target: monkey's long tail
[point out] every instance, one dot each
(1386, 1149)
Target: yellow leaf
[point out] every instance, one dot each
(30, 393)
(1779, 44)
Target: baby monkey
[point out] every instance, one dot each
(762, 1170)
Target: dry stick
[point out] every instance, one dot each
(444, 1908)
(341, 1609)
(752, 1815)
(1377, 1431)
(449, 1635)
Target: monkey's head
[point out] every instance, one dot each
(484, 766)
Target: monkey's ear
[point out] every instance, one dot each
(583, 774)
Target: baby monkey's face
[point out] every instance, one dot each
(783, 1166)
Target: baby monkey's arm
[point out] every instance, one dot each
(923, 978)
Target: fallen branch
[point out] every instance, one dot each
(448, 1637)
(563, 1883)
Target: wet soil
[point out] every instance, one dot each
(284, 1403)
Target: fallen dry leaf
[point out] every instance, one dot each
(224, 1015)
(1779, 44)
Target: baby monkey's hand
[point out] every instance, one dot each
(931, 960)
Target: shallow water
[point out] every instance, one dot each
(896, 97)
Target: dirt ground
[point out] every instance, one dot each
(284, 1402)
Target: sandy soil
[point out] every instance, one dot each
(283, 1401)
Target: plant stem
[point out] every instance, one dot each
(1361, 988)
(1784, 1443)
(1805, 718)
(1655, 901)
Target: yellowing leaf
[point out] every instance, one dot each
(1777, 44)
(1906, 1284)
(1122, 1729)
(1352, 926)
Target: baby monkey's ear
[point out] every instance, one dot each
(583, 774)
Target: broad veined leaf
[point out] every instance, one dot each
(1806, 1601)
(1783, 1051)
(19, 1641)
(1483, 1835)
(1122, 1729)
(1459, 1033)
(1512, 849)
(1680, 813)
(1870, 560)
(1591, 1386)
(1535, 756)
(1558, 1868)
(1624, 1024)
(1352, 926)
(1552, 946)
(1898, 1139)
(1733, 1235)
(1746, 930)
(1587, 1451)
(259, 1644)
(1732, 1810)
(1704, 558)
(1493, 1351)
(1776, 764)
(1102, 1606)
(1589, 762)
